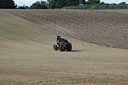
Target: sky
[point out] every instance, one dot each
(114, 1)
(26, 2)
(30, 2)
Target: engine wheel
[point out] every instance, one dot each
(55, 47)
(69, 48)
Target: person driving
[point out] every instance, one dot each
(58, 40)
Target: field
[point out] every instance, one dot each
(27, 56)
(106, 28)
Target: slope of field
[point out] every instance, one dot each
(27, 58)
(107, 28)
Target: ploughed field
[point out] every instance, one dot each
(27, 56)
(107, 28)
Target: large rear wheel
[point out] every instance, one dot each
(69, 48)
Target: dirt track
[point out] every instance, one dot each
(107, 28)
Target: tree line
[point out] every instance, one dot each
(52, 4)
(7, 4)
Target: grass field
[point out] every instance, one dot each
(27, 58)
(102, 27)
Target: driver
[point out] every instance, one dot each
(58, 40)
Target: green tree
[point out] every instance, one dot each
(56, 3)
(51, 5)
(7, 4)
(102, 3)
(59, 3)
(93, 2)
(23, 7)
(62, 3)
(122, 3)
(67, 3)
(113, 4)
(39, 5)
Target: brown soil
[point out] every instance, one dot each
(105, 28)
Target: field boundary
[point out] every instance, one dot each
(98, 7)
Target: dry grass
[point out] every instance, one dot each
(27, 58)
(107, 28)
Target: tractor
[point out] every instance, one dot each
(62, 44)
